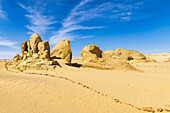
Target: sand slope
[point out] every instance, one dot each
(159, 57)
(86, 91)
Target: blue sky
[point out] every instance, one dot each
(142, 25)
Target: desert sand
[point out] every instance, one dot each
(85, 90)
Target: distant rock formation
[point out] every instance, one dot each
(129, 55)
(62, 50)
(93, 57)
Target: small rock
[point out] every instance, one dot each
(25, 57)
(167, 106)
(62, 50)
(149, 109)
(35, 56)
(159, 109)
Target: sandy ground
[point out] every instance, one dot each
(159, 57)
(79, 90)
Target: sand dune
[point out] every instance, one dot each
(159, 57)
(79, 90)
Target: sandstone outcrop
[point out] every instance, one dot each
(93, 57)
(34, 41)
(62, 50)
(17, 58)
(129, 55)
(35, 55)
(109, 52)
(44, 49)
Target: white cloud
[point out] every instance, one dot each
(80, 13)
(39, 23)
(3, 14)
(71, 23)
(8, 43)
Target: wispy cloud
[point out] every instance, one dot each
(8, 43)
(3, 14)
(39, 23)
(71, 23)
(80, 14)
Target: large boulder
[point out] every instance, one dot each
(17, 58)
(44, 49)
(62, 50)
(34, 41)
(93, 57)
(23, 47)
(91, 53)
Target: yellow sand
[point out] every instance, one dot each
(86, 91)
(159, 57)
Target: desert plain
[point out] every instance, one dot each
(86, 90)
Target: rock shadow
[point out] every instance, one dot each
(76, 65)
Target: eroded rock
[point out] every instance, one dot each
(35, 55)
(62, 50)
(34, 41)
(129, 55)
(17, 58)
(93, 57)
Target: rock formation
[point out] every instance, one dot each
(17, 58)
(130, 55)
(109, 52)
(35, 55)
(62, 50)
(34, 41)
(44, 49)
(93, 57)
